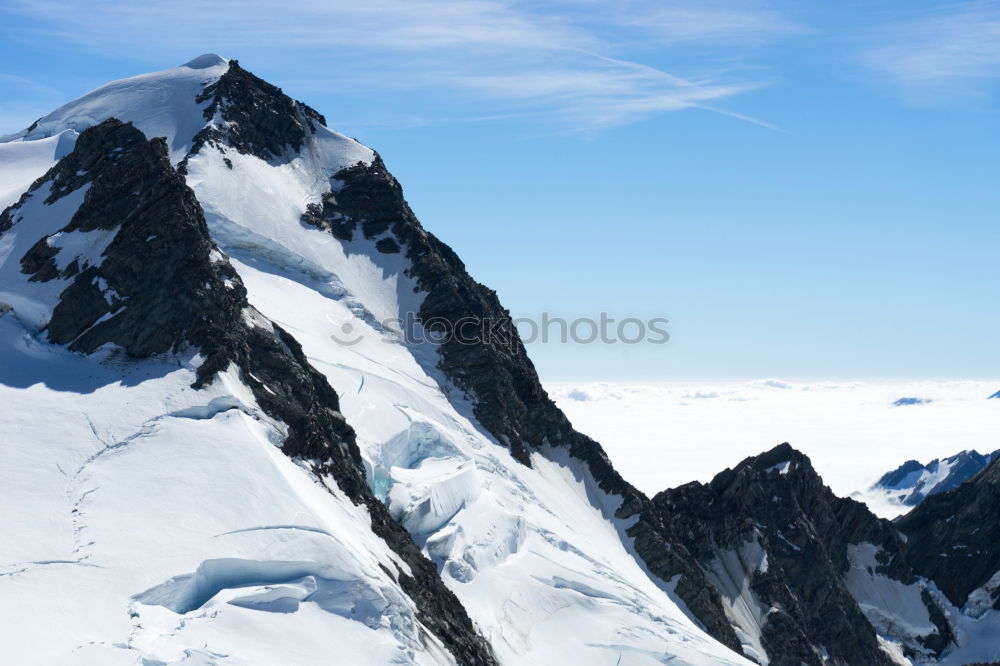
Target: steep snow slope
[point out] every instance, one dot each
(899, 614)
(160, 104)
(535, 562)
(23, 161)
(158, 522)
(534, 553)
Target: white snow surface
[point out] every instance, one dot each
(33, 302)
(160, 104)
(977, 626)
(21, 162)
(894, 609)
(152, 523)
(731, 573)
(159, 524)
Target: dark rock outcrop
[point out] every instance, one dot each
(953, 536)
(162, 286)
(485, 359)
(257, 118)
(897, 477)
(669, 560)
(771, 526)
(778, 502)
(481, 352)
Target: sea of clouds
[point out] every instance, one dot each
(661, 435)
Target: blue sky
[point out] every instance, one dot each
(805, 189)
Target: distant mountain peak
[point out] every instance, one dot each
(913, 482)
(904, 402)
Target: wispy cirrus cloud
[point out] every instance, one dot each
(594, 91)
(581, 62)
(947, 51)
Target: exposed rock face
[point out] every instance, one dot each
(155, 283)
(485, 357)
(492, 366)
(670, 560)
(953, 536)
(782, 552)
(162, 286)
(898, 477)
(773, 514)
(254, 117)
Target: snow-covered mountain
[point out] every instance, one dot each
(254, 413)
(912, 482)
